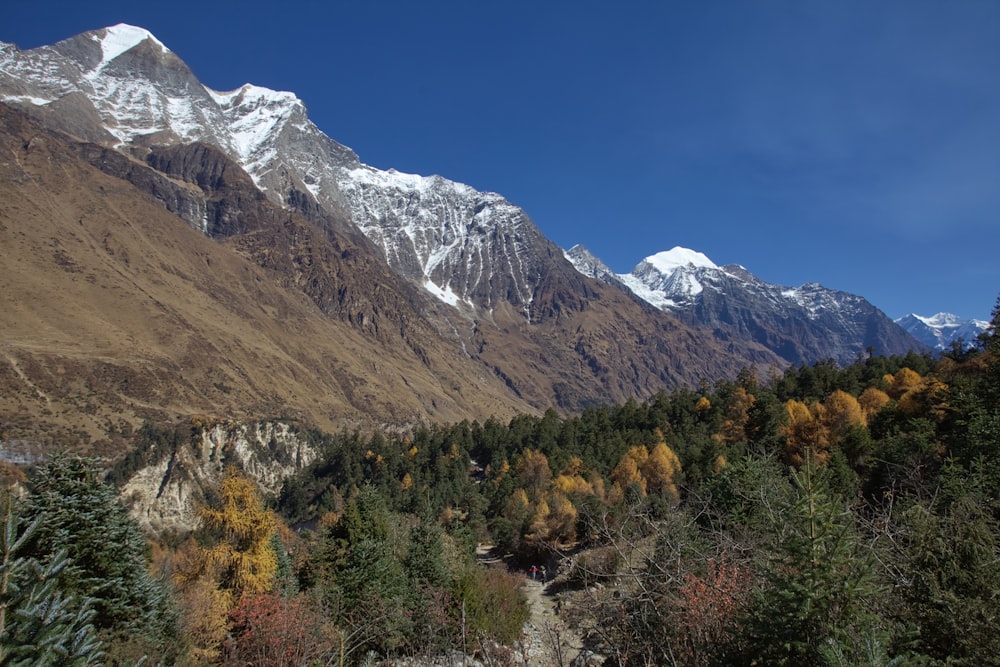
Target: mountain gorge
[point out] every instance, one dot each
(177, 251)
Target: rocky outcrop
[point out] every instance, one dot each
(165, 495)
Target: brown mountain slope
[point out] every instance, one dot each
(115, 309)
(161, 283)
(589, 343)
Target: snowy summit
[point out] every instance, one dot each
(668, 261)
(120, 38)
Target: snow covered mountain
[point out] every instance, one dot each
(801, 324)
(121, 84)
(941, 330)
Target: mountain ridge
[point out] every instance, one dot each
(941, 330)
(800, 324)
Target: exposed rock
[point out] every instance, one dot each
(165, 495)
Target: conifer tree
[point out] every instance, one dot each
(949, 557)
(245, 554)
(817, 583)
(39, 624)
(78, 513)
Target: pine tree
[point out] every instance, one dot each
(78, 513)
(948, 558)
(39, 624)
(816, 584)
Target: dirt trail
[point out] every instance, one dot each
(548, 640)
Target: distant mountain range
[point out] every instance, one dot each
(175, 250)
(941, 331)
(801, 324)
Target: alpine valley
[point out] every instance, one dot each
(173, 252)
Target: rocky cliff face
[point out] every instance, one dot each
(165, 495)
(119, 309)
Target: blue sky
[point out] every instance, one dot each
(852, 143)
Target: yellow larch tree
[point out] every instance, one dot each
(903, 381)
(842, 411)
(660, 470)
(733, 427)
(628, 470)
(244, 556)
(872, 400)
(533, 472)
(538, 529)
(571, 481)
(929, 397)
(805, 435)
(561, 520)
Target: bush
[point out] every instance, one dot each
(595, 566)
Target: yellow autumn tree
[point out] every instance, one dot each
(574, 485)
(574, 467)
(628, 470)
(805, 435)
(561, 520)
(518, 507)
(660, 469)
(538, 529)
(872, 400)
(203, 605)
(903, 381)
(597, 485)
(204, 618)
(407, 482)
(571, 481)
(928, 397)
(533, 472)
(244, 557)
(733, 427)
(842, 411)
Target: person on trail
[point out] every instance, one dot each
(545, 574)
(533, 571)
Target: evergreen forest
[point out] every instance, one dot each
(827, 515)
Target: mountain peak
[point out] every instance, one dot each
(668, 261)
(942, 329)
(248, 93)
(118, 39)
(587, 263)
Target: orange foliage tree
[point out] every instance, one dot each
(805, 434)
(244, 556)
